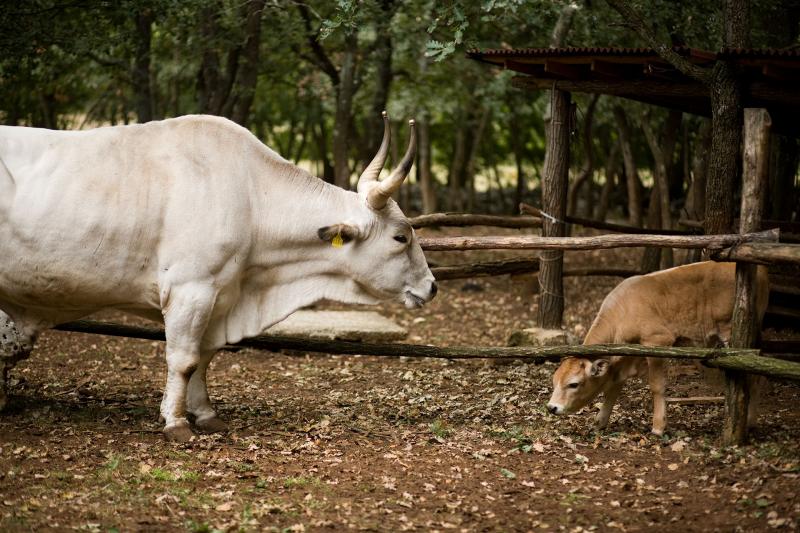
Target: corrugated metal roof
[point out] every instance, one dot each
(569, 51)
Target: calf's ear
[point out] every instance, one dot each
(338, 234)
(599, 367)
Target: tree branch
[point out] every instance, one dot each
(635, 20)
(322, 61)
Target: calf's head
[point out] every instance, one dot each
(577, 382)
(378, 248)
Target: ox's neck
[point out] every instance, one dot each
(289, 266)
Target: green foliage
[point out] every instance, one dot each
(73, 64)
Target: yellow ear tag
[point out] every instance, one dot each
(337, 241)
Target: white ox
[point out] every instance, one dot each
(194, 222)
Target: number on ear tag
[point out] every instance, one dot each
(337, 241)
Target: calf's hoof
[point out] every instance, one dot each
(657, 432)
(178, 433)
(212, 424)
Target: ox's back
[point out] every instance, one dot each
(87, 217)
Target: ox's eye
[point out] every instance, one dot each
(573, 385)
(401, 238)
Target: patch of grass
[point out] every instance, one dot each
(241, 467)
(159, 474)
(201, 527)
(190, 476)
(113, 463)
(572, 498)
(301, 481)
(439, 429)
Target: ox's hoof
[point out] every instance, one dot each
(657, 432)
(212, 424)
(178, 433)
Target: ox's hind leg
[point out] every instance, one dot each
(186, 316)
(197, 401)
(15, 345)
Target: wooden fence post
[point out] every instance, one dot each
(554, 202)
(746, 323)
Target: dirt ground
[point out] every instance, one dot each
(322, 442)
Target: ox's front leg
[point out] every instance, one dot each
(186, 316)
(197, 400)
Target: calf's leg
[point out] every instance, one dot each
(657, 380)
(610, 396)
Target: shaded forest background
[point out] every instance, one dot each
(310, 79)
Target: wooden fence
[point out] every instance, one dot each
(746, 248)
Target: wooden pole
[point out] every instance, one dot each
(760, 253)
(554, 202)
(463, 219)
(520, 266)
(745, 324)
(599, 242)
(608, 226)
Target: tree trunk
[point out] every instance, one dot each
(456, 174)
(140, 76)
(663, 154)
(634, 185)
(344, 108)
(588, 165)
(246, 83)
(725, 142)
(426, 181)
(382, 51)
(554, 192)
(612, 165)
(469, 166)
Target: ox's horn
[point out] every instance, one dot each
(375, 166)
(380, 195)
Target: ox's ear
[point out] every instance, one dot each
(338, 234)
(599, 368)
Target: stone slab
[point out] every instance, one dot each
(364, 326)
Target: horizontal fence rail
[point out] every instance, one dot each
(747, 360)
(465, 219)
(760, 252)
(599, 242)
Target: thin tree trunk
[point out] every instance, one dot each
(472, 156)
(634, 185)
(426, 181)
(246, 82)
(382, 51)
(456, 174)
(142, 87)
(588, 165)
(344, 111)
(612, 164)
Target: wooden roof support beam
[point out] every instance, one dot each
(609, 70)
(776, 72)
(534, 69)
(565, 70)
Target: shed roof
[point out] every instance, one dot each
(770, 77)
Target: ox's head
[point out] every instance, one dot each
(378, 246)
(577, 382)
